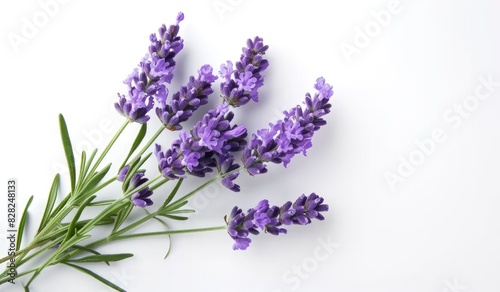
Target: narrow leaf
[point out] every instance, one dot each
(83, 248)
(95, 179)
(81, 173)
(123, 215)
(176, 205)
(68, 150)
(22, 224)
(137, 142)
(72, 241)
(174, 217)
(102, 258)
(102, 203)
(173, 192)
(72, 225)
(51, 200)
(97, 277)
(81, 223)
(89, 162)
(180, 211)
(60, 206)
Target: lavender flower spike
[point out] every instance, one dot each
(190, 97)
(290, 136)
(270, 218)
(247, 75)
(148, 81)
(209, 145)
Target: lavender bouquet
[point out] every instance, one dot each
(214, 149)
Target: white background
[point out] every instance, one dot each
(436, 230)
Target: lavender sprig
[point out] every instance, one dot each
(210, 146)
(241, 85)
(290, 136)
(148, 82)
(270, 218)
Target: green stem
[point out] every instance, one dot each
(23, 251)
(174, 205)
(150, 141)
(18, 275)
(108, 147)
(168, 232)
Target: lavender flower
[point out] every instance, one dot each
(188, 99)
(141, 198)
(290, 136)
(170, 163)
(208, 146)
(148, 82)
(247, 79)
(123, 173)
(270, 218)
(227, 167)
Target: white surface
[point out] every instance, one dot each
(437, 231)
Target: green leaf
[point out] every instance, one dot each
(81, 173)
(81, 223)
(102, 258)
(122, 215)
(137, 142)
(168, 235)
(71, 242)
(86, 249)
(51, 200)
(174, 217)
(172, 193)
(95, 179)
(60, 206)
(97, 277)
(72, 225)
(102, 203)
(176, 205)
(68, 150)
(89, 162)
(181, 211)
(22, 224)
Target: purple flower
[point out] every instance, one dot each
(123, 173)
(241, 85)
(141, 198)
(189, 98)
(148, 81)
(227, 167)
(270, 218)
(290, 136)
(170, 163)
(209, 145)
